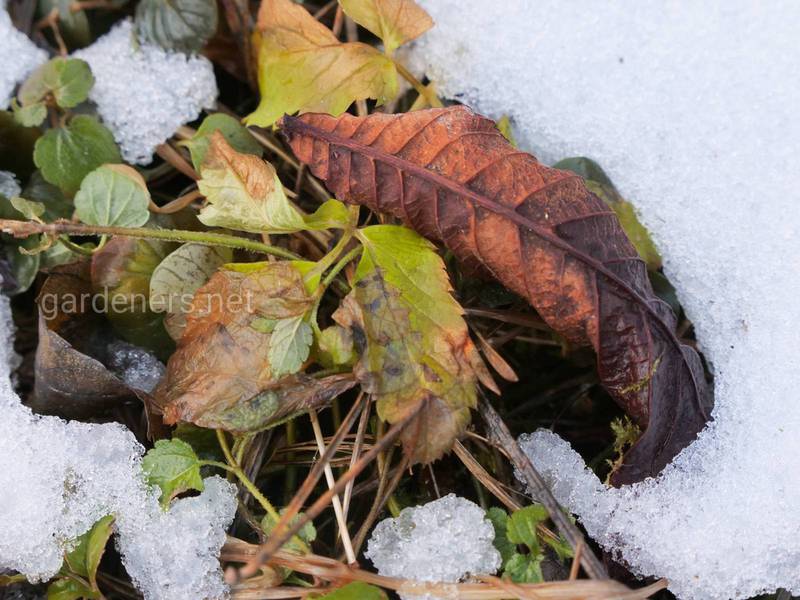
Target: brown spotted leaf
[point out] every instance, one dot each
(220, 376)
(451, 175)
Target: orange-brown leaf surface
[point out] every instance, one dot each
(452, 176)
(220, 376)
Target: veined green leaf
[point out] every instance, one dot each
(289, 345)
(173, 466)
(66, 80)
(67, 154)
(113, 195)
(183, 25)
(84, 559)
(30, 210)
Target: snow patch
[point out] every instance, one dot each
(442, 541)
(691, 109)
(20, 57)
(143, 92)
(57, 478)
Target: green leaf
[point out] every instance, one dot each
(173, 466)
(289, 345)
(16, 145)
(357, 590)
(499, 519)
(524, 568)
(183, 25)
(113, 195)
(304, 67)
(244, 193)
(67, 154)
(68, 588)
(29, 209)
(417, 346)
(66, 80)
(84, 559)
(73, 25)
(24, 267)
(395, 22)
(234, 132)
(56, 206)
(598, 182)
(179, 276)
(307, 533)
(32, 115)
(522, 526)
(335, 347)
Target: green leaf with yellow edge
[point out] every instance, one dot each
(220, 376)
(303, 67)
(32, 115)
(395, 22)
(113, 195)
(67, 154)
(172, 466)
(66, 80)
(416, 346)
(234, 132)
(357, 590)
(84, 559)
(599, 183)
(245, 193)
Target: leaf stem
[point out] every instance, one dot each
(423, 91)
(23, 229)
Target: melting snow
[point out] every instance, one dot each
(57, 478)
(442, 541)
(143, 92)
(692, 110)
(19, 55)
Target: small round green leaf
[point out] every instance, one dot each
(67, 154)
(113, 195)
(183, 25)
(67, 80)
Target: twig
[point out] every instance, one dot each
(176, 205)
(359, 441)
(23, 229)
(283, 531)
(500, 433)
(176, 159)
(337, 503)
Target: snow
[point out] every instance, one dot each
(443, 541)
(137, 367)
(26, 57)
(9, 186)
(57, 478)
(144, 93)
(691, 109)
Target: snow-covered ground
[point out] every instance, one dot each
(692, 110)
(57, 478)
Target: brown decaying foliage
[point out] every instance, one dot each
(450, 174)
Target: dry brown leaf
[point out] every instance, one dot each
(452, 176)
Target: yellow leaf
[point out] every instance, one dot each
(304, 67)
(244, 192)
(394, 21)
(417, 353)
